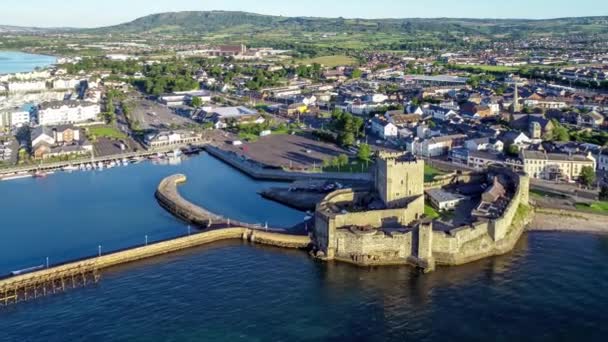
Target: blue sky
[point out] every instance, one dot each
(92, 13)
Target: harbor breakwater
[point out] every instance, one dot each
(30, 285)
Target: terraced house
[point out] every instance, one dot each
(555, 166)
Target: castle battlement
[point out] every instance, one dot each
(396, 158)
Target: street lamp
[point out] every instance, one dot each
(99, 250)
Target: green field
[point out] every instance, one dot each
(106, 132)
(489, 68)
(330, 61)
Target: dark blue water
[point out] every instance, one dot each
(551, 287)
(65, 216)
(11, 62)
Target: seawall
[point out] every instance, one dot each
(256, 171)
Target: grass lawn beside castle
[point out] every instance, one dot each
(430, 212)
(430, 173)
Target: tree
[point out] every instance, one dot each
(365, 153)
(346, 139)
(604, 193)
(343, 160)
(357, 73)
(197, 102)
(513, 150)
(587, 176)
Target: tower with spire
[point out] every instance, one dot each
(516, 107)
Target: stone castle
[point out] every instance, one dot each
(387, 225)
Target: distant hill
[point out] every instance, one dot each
(19, 29)
(250, 23)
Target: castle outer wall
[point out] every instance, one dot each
(419, 245)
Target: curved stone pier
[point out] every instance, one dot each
(169, 198)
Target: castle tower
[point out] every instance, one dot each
(399, 177)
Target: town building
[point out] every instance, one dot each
(172, 138)
(383, 128)
(67, 112)
(223, 117)
(443, 200)
(436, 146)
(555, 166)
(592, 119)
(57, 141)
(16, 86)
(12, 119)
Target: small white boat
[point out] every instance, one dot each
(70, 168)
(100, 166)
(27, 270)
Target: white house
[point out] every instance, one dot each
(484, 144)
(440, 113)
(376, 98)
(67, 112)
(383, 128)
(437, 146)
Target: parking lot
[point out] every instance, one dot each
(295, 151)
(152, 115)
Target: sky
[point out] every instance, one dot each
(95, 13)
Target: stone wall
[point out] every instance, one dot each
(327, 222)
(373, 247)
(483, 239)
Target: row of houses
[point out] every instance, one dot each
(58, 141)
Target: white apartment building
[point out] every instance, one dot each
(24, 86)
(67, 112)
(66, 83)
(14, 119)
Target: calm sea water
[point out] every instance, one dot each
(552, 287)
(65, 216)
(11, 62)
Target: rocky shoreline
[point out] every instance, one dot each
(553, 220)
